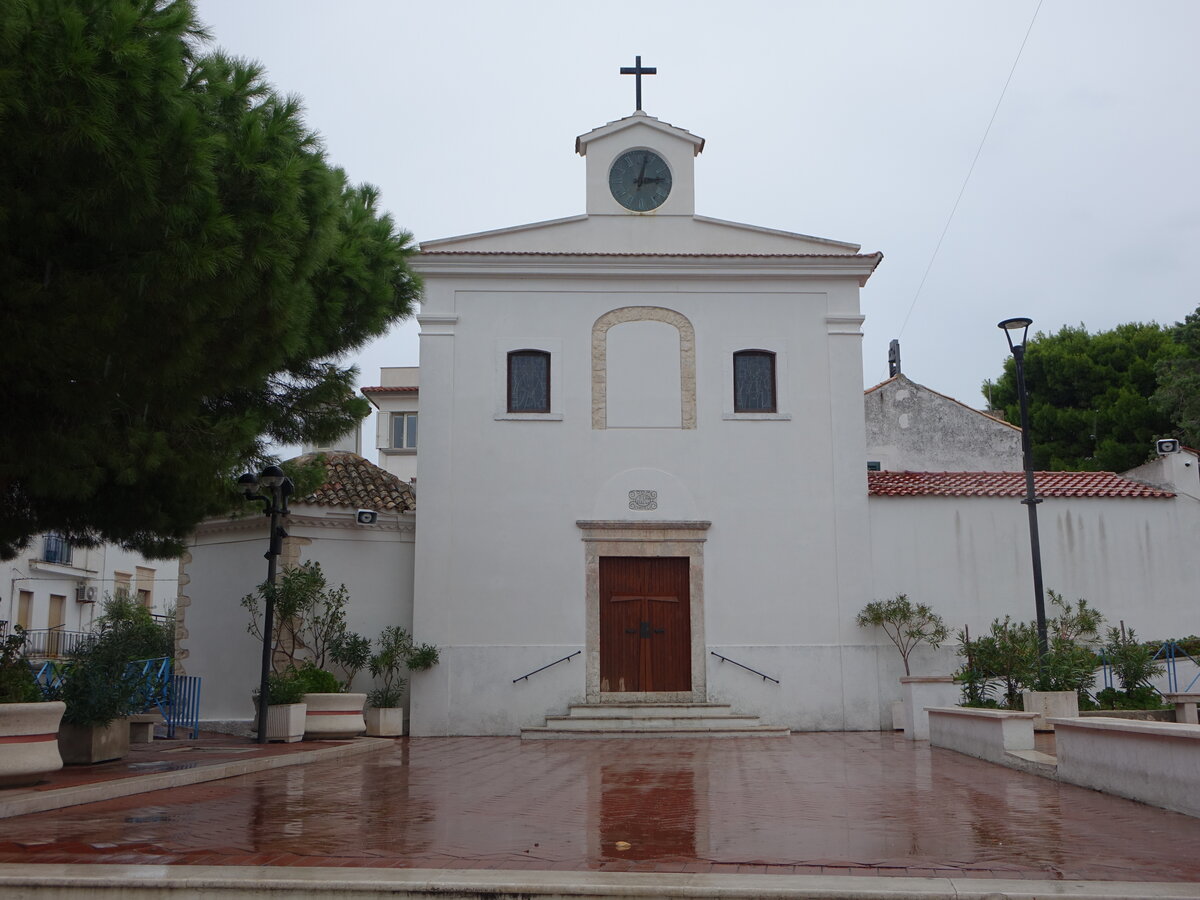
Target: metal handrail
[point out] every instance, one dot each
(545, 667)
(747, 668)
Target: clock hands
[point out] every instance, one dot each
(641, 179)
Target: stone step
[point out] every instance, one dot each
(546, 733)
(601, 722)
(650, 710)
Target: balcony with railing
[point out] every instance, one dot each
(56, 550)
(53, 643)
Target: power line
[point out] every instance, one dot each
(971, 170)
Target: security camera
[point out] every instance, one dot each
(366, 517)
(1167, 445)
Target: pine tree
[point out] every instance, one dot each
(1090, 405)
(180, 270)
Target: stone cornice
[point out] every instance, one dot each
(403, 524)
(593, 265)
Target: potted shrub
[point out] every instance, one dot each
(1058, 681)
(28, 722)
(908, 625)
(286, 711)
(384, 714)
(310, 633)
(1051, 686)
(99, 686)
(331, 711)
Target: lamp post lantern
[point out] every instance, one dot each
(278, 487)
(1011, 327)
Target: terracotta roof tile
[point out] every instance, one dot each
(354, 482)
(1006, 484)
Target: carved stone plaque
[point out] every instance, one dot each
(643, 500)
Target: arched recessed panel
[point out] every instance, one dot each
(686, 354)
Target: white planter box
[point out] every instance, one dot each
(334, 715)
(921, 692)
(285, 722)
(984, 733)
(29, 741)
(384, 722)
(1050, 704)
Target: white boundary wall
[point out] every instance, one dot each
(1152, 762)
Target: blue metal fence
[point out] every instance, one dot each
(1169, 653)
(176, 697)
(183, 705)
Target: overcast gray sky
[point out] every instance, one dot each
(856, 121)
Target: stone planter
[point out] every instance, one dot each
(334, 715)
(1050, 704)
(285, 722)
(29, 741)
(83, 745)
(921, 692)
(384, 721)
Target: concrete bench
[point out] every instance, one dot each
(1152, 762)
(1185, 707)
(989, 734)
(141, 727)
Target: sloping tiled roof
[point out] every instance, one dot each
(353, 482)
(386, 389)
(1006, 484)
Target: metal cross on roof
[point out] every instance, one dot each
(638, 70)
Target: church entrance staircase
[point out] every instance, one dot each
(645, 720)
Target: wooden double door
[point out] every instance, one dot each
(645, 624)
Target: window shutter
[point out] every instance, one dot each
(383, 430)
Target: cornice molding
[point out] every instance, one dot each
(405, 523)
(597, 265)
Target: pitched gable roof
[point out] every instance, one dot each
(1006, 484)
(351, 481)
(902, 378)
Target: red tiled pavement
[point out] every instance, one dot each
(208, 749)
(811, 804)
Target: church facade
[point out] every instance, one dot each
(639, 452)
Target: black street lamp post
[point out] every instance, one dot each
(1031, 499)
(275, 504)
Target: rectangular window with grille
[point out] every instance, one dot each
(754, 381)
(529, 381)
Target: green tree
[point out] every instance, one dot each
(1090, 405)
(906, 624)
(1179, 380)
(182, 270)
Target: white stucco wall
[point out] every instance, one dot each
(969, 558)
(225, 562)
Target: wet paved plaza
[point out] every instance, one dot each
(828, 803)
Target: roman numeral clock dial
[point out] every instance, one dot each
(640, 180)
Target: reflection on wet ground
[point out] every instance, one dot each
(862, 803)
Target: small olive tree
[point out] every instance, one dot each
(906, 624)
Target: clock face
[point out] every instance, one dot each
(640, 180)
